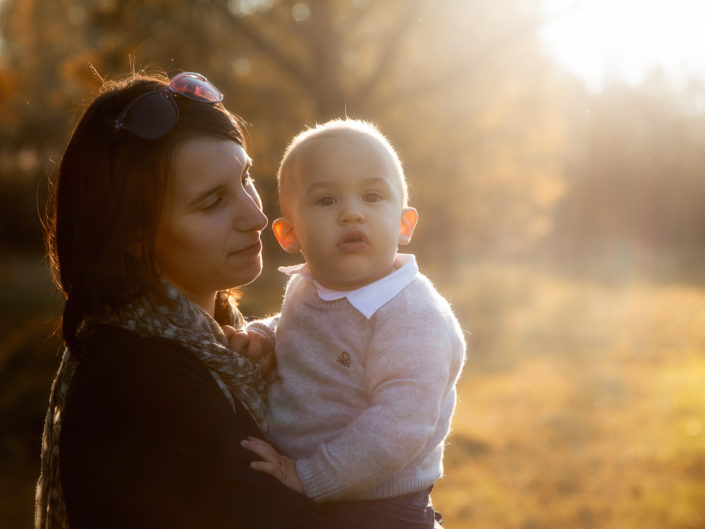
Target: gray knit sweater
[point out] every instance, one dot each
(364, 406)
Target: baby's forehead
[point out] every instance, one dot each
(344, 147)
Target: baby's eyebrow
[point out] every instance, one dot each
(376, 180)
(317, 185)
(325, 185)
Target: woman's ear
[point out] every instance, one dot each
(409, 218)
(284, 232)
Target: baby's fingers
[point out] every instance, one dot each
(237, 340)
(260, 351)
(262, 449)
(269, 468)
(229, 331)
(267, 364)
(278, 466)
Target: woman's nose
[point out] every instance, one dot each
(249, 215)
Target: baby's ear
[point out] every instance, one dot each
(409, 218)
(284, 232)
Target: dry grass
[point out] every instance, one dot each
(582, 406)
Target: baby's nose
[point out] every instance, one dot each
(351, 212)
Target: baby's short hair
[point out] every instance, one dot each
(329, 129)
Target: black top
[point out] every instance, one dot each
(150, 441)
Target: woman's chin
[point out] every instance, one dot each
(248, 275)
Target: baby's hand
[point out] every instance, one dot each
(253, 346)
(261, 352)
(273, 463)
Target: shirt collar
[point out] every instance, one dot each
(369, 298)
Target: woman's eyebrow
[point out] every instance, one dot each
(219, 187)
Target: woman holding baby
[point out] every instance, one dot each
(155, 219)
(159, 406)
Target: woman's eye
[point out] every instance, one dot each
(213, 203)
(325, 201)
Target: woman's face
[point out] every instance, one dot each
(208, 237)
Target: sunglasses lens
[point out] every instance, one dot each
(197, 87)
(151, 116)
(154, 114)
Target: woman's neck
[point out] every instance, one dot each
(205, 301)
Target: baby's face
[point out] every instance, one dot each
(346, 210)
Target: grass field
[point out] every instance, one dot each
(582, 404)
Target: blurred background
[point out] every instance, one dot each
(556, 153)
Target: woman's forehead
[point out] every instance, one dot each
(201, 163)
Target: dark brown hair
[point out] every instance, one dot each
(108, 196)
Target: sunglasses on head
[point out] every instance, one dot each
(152, 115)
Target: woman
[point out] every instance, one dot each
(155, 218)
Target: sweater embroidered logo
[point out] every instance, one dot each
(344, 359)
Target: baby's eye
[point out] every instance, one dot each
(325, 201)
(373, 197)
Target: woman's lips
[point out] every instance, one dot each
(254, 249)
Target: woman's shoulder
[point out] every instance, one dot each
(107, 344)
(106, 337)
(121, 363)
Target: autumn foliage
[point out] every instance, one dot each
(556, 220)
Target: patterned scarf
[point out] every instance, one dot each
(180, 321)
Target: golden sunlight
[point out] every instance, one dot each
(626, 40)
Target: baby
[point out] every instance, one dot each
(368, 352)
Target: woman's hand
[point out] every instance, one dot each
(273, 463)
(253, 346)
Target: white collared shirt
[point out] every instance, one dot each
(369, 298)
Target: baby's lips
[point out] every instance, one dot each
(354, 236)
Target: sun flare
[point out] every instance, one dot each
(600, 40)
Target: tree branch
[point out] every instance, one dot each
(288, 65)
(389, 52)
(469, 69)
